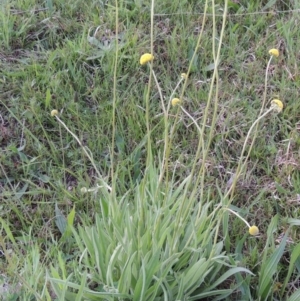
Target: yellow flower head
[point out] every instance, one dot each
(145, 58)
(83, 190)
(175, 101)
(274, 52)
(54, 113)
(253, 230)
(183, 75)
(277, 105)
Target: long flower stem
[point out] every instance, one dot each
(242, 162)
(114, 95)
(236, 214)
(255, 124)
(164, 165)
(174, 126)
(89, 155)
(149, 154)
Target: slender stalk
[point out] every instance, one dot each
(242, 163)
(164, 164)
(114, 94)
(149, 155)
(159, 92)
(89, 155)
(236, 214)
(266, 86)
(174, 126)
(213, 89)
(63, 153)
(256, 123)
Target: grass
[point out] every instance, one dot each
(164, 231)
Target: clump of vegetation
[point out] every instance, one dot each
(144, 155)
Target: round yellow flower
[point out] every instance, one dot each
(274, 52)
(277, 105)
(145, 58)
(253, 230)
(184, 75)
(54, 113)
(175, 101)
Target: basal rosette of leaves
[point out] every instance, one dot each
(147, 245)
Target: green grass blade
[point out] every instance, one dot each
(295, 296)
(269, 268)
(294, 257)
